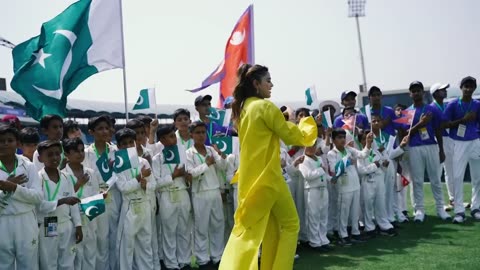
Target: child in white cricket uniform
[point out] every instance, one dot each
(209, 225)
(316, 196)
(348, 184)
(372, 171)
(86, 183)
(20, 193)
(135, 227)
(60, 225)
(175, 207)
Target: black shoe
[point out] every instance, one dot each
(405, 213)
(327, 248)
(357, 239)
(344, 242)
(370, 234)
(390, 232)
(396, 225)
(186, 267)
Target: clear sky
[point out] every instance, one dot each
(176, 44)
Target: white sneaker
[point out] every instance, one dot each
(476, 216)
(459, 218)
(443, 215)
(419, 216)
(296, 257)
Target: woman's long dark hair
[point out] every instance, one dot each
(245, 88)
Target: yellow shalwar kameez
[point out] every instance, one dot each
(266, 212)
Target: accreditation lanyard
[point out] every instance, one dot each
(442, 107)
(415, 118)
(187, 142)
(80, 190)
(460, 104)
(51, 197)
(380, 139)
(371, 156)
(134, 172)
(12, 173)
(96, 151)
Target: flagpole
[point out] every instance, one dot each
(155, 95)
(124, 63)
(252, 30)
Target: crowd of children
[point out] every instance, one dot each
(349, 186)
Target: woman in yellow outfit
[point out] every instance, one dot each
(266, 212)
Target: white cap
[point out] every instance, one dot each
(438, 86)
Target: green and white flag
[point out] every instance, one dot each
(146, 100)
(103, 166)
(126, 159)
(227, 145)
(311, 96)
(93, 206)
(327, 119)
(218, 116)
(171, 155)
(83, 40)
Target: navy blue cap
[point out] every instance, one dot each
(346, 93)
(468, 79)
(415, 84)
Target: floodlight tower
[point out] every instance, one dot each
(356, 8)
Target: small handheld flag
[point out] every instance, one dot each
(126, 159)
(311, 96)
(341, 166)
(171, 155)
(402, 182)
(368, 113)
(327, 120)
(349, 123)
(217, 116)
(226, 145)
(146, 100)
(407, 117)
(104, 167)
(93, 206)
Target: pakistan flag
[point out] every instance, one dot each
(83, 40)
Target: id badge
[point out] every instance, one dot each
(461, 130)
(51, 226)
(424, 134)
(174, 196)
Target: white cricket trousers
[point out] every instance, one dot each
(107, 232)
(155, 251)
(135, 235)
(86, 256)
(373, 190)
(19, 242)
(349, 210)
(421, 158)
(317, 215)
(175, 211)
(401, 190)
(209, 226)
(57, 252)
(332, 222)
(447, 165)
(390, 195)
(466, 152)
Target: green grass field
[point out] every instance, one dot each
(435, 244)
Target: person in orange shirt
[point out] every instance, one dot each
(266, 212)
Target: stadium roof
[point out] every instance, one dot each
(87, 108)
